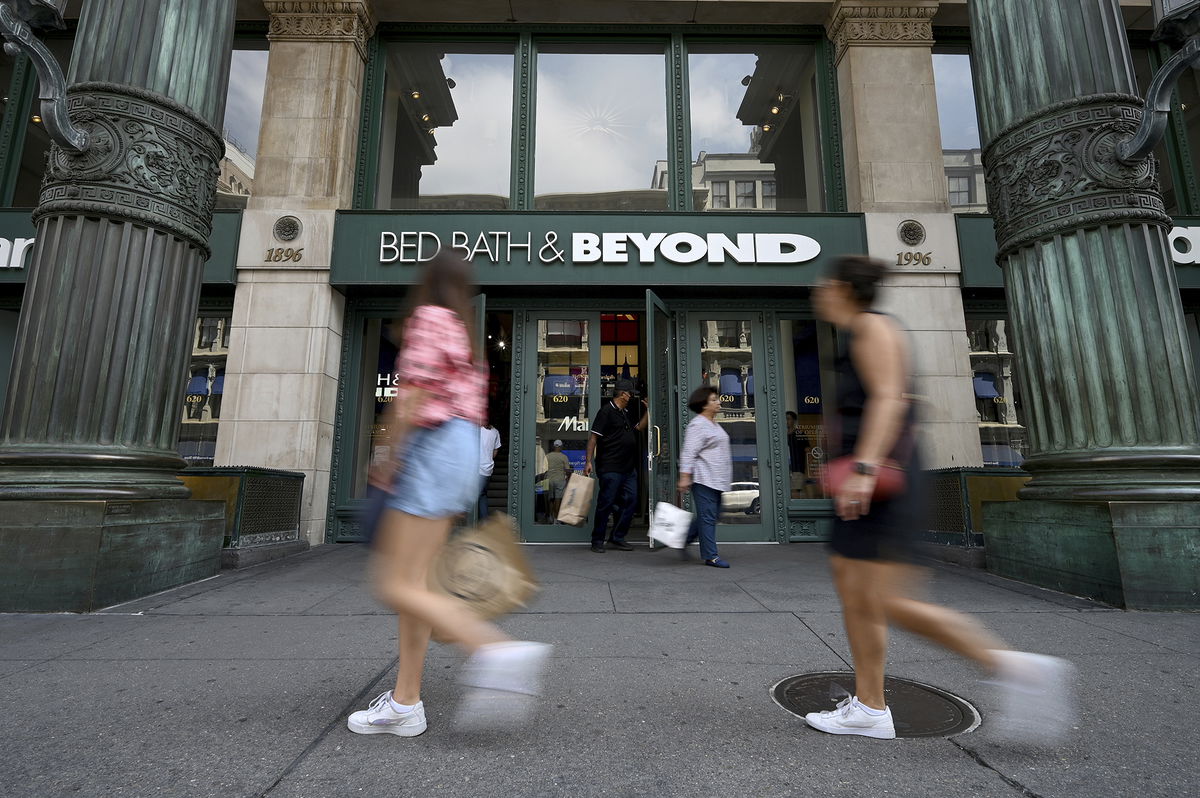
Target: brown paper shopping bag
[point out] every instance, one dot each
(577, 500)
(485, 567)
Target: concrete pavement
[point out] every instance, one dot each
(240, 686)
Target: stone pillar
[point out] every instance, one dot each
(1096, 319)
(105, 330)
(286, 341)
(895, 176)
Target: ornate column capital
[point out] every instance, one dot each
(321, 20)
(881, 23)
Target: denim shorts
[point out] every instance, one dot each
(439, 470)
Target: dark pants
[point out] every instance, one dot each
(704, 526)
(618, 493)
(483, 502)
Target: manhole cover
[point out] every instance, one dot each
(918, 710)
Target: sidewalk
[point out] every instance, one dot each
(240, 686)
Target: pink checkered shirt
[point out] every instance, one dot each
(436, 357)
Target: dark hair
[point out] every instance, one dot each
(862, 274)
(449, 282)
(699, 397)
(792, 414)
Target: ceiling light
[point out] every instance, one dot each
(37, 119)
(425, 117)
(766, 128)
(415, 94)
(431, 131)
(774, 109)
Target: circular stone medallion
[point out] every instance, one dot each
(918, 710)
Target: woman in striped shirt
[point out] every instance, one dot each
(705, 466)
(433, 478)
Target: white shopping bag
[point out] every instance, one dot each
(670, 525)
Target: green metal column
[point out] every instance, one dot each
(1106, 372)
(1104, 356)
(123, 228)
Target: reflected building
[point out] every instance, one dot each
(964, 180)
(235, 183)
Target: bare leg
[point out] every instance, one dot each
(947, 628)
(406, 546)
(866, 625)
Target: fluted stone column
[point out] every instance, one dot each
(104, 335)
(1104, 358)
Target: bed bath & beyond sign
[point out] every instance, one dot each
(644, 248)
(605, 248)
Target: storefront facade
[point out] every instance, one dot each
(647, 190)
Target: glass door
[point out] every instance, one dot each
(729, 346)
(562, 394)
(662, 395)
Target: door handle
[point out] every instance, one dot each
(657, 441)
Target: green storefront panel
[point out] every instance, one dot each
(661, 249)
(17, 235)
(977, 248)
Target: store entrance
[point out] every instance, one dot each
(571, 362)
(574, 361)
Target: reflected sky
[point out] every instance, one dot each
(473, 154)
(716, 93)
(956, 101)
(601, 121)
(243, 104)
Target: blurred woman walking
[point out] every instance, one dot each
(432, 478)
(872, 535)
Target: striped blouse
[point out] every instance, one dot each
(436, 356)
(706, 454)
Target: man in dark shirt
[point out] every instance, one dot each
(612, 452)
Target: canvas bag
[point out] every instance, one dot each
(577, 500)
(484, 567)
(670, 525)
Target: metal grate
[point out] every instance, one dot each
(270, 508)
(947, 515)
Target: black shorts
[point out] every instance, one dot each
(890, 530)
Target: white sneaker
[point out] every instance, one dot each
(505, 680)
(1037, 703)
(850, 718)
(380, 718)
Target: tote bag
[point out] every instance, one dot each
(670, 525)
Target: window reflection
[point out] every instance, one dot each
(205, 389)
(962, 156)
(726, 355)
(1002, 436)
(243, 118)
(755, 121)
(601, 138)
(447, 127)
(561, 428)
(806, 347)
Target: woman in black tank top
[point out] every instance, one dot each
(874, 422)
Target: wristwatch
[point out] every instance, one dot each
(864, 468)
